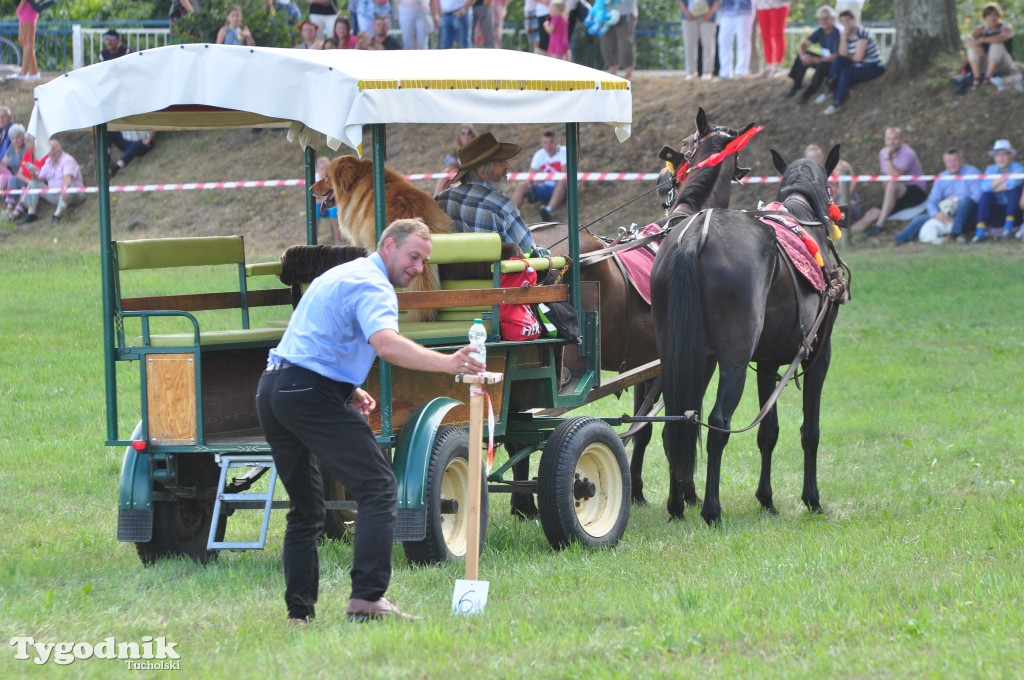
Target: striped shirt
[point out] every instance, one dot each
(871, 53)
(475, 205)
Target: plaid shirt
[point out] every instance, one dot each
(475, 206)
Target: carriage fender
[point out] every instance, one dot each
(136, 491)
(412, 451)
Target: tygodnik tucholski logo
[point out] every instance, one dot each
(149, 654)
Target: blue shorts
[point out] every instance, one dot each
(540, 193)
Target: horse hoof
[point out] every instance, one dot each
(639, 500)
(694, 502)
(524, 512)
(770, 509)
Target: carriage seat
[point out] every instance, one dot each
(181, 254)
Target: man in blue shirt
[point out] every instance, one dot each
(967, 191)
(826, 37)
(479, 203)
(313, 413)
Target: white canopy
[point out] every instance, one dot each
(328, 93)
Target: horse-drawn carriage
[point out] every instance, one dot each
(194, 403)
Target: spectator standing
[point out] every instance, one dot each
(550, 157)
(966, 191)
(530, 24)
(498, 10)
(826, 37)
(895, 158)
(341, 38)
(59, 171)
(542, 11)
(381, 38)
(478, 203)
(178, 9)
(233, 32)
(1000, 198)
(700, 26)
(482, 22)
(453, 21)
(414, 20)
(113, 47)
(618, 44)
(858, 61)
(308, 32)
(323, 13)
(464, 134)
(290, 9)
(735, 25)
(366, 11)
(557, 28)
(771, 18)
(313, 414)
(856, 7)
(990, 47)
(27, 18)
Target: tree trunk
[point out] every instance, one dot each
(925, 30)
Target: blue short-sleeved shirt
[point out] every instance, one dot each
(330, 329)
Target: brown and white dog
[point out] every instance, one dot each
(349, 185)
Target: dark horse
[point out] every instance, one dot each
(723, 294)
(627, 334)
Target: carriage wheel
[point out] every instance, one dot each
(180, 529)
(583, 486)
(338, 524)
(447, 490)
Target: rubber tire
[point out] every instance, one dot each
(338, 524)
(448, 478)
(590, 448)
(181, 528)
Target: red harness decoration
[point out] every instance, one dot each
(732, 147)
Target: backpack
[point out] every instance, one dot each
(519, 322)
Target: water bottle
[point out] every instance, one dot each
(477, 340)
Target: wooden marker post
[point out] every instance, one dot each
(469, 597)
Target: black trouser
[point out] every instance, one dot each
(797, 75)
(307, 417)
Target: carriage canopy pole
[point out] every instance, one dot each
(312, 216)
(380, 219)
(573, 203)
(106, 256)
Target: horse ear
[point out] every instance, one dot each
(702, 122)
(739, 173)
(778, 162)
(672, 156)
(832, 161)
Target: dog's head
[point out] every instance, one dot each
(949, 205)
(342, 174)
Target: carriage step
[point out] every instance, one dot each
(243, 500)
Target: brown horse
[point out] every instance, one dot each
(628, 342)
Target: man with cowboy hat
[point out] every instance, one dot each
(1000, 198)
(479, 202)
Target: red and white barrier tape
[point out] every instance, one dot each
(582, 176)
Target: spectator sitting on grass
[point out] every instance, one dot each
(1000, 198)
(895, 158)
(967, 193)
(60, 171)
(131, 144)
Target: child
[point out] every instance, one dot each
(233, 32)
(557, 26)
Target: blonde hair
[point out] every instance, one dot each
(557, 7)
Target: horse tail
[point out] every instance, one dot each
(684, 358)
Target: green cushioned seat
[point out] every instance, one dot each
(210, 338)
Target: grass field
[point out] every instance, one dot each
(915, 570)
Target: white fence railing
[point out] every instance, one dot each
(86, 43)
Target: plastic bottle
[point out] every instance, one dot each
(477, 340)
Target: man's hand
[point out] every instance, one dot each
(363, 402)
(464, 361)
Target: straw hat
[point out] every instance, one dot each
(483, 149)
(1002, 145)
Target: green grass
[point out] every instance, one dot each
(914, 570)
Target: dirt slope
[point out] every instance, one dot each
(663, 111)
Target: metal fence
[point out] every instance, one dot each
(659, 44)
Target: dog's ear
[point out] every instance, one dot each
(345, 174)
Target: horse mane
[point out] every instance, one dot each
(699, 186)
(807, 179)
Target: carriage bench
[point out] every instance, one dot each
(197, 381)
